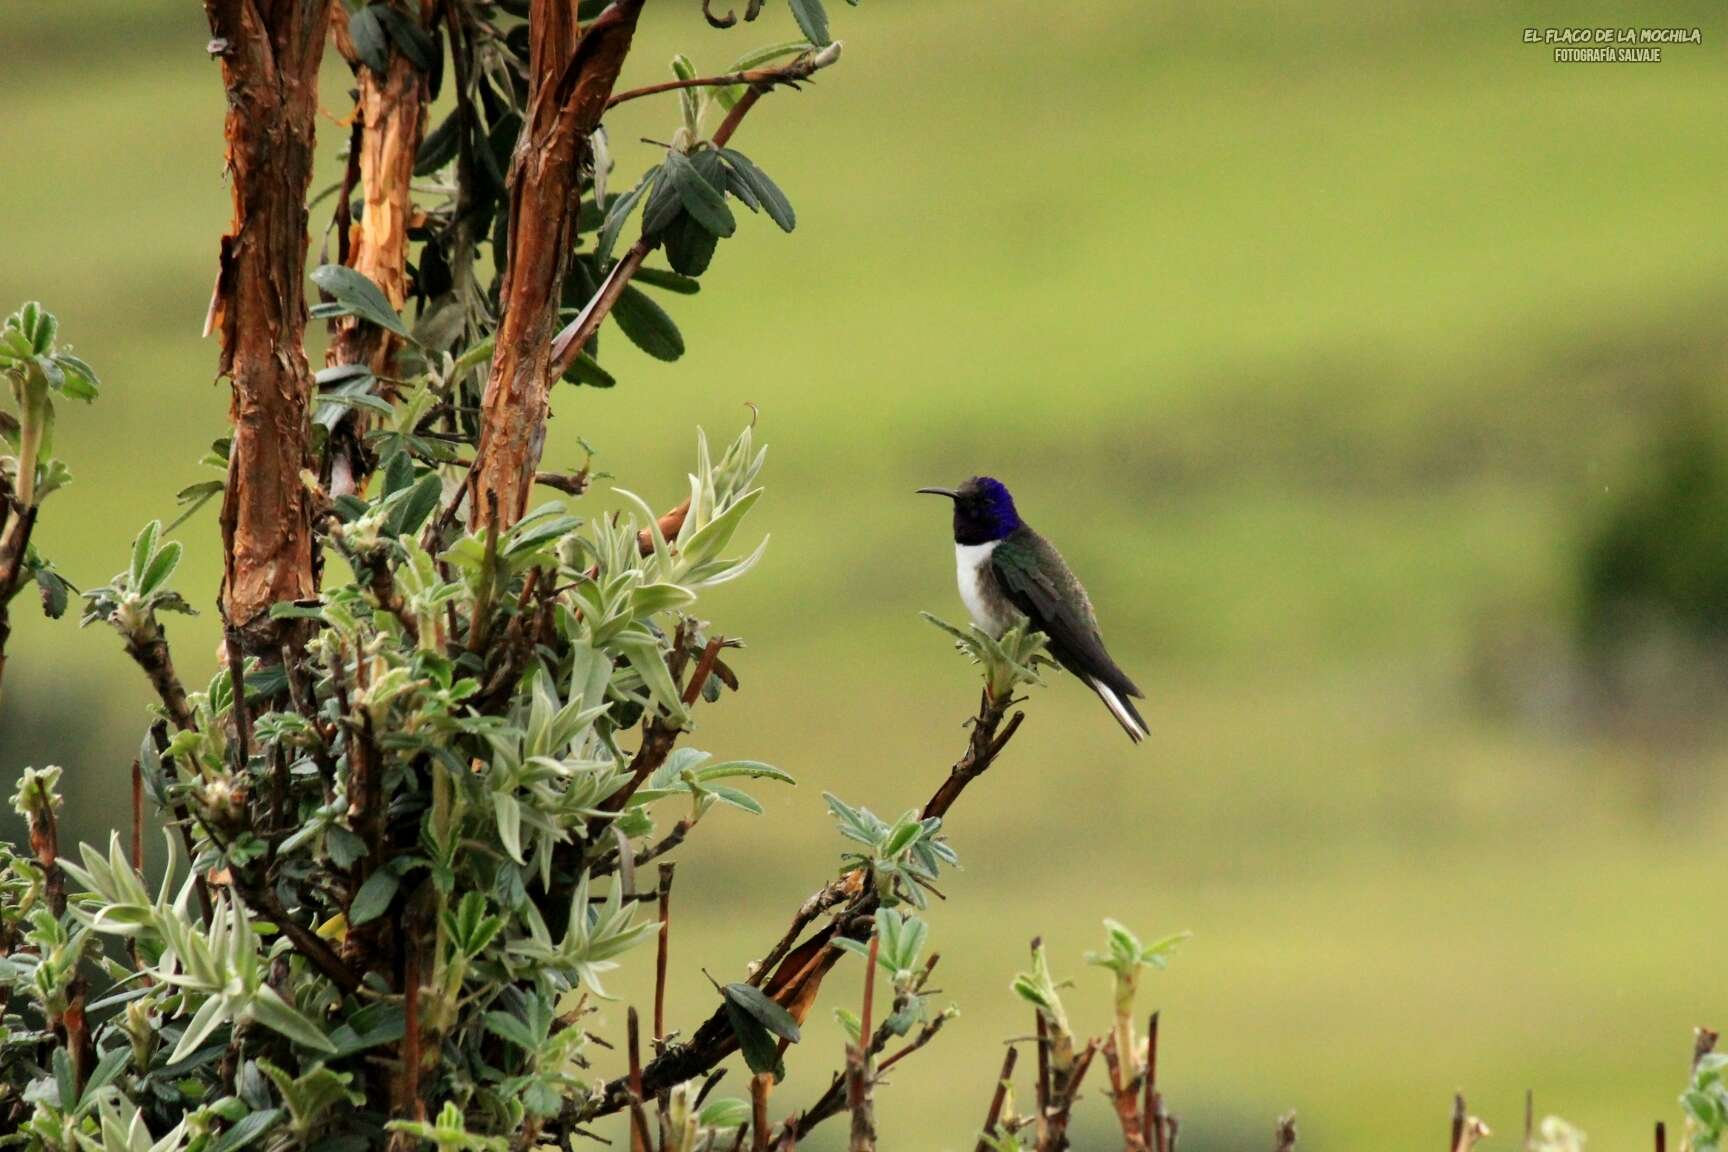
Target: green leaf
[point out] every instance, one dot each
(617, 215)
(718, 532)
(251, 1127)
(651, 598)
(143, 547)
(734, 797)
(670, 281)
(747, 769)
(373, 1026)
(689, 246)
(647, 325)
(371, 41)
(65, 1081)
(410, 38)
(411, 510)
(705, 203)
(766, 1012)
(508, 815)
(509, 1028)
(586, 370)
(162, 566)
(812, 21)
(54, 590)
(357, 295)
(741, 170)
(729, 95)
(440, 145)
(760, 1050)
(193, 497)
(279, 1016)
(374, 897)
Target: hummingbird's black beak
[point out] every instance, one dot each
(948, 492)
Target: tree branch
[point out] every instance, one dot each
(569, 343)
(792, 975)
(572, 72)
(801, 68)
(390, 122)
(270, 72)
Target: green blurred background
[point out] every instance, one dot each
(1323, 342)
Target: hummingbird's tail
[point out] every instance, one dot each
(1120, 707)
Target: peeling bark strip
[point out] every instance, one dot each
(270, 51)
(391, 121)
(573, 72)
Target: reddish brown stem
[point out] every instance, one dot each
(1149, 1086)
(390, 119)
(639, 1124)
(662, 955)
(998, 1098)
(858, 1062)
(137, 817)
(759, 1088)
(270, 56)
(571, 74)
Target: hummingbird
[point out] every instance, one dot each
(1005, 570)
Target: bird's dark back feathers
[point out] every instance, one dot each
(1038, 582)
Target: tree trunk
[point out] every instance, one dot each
(270, 50)
(392, 120)
(573, 72)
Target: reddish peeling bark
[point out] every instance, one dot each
(270, 50)
(391, 113)
(573, 71)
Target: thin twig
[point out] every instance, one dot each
(309, 944)
(759, 1088)
(801, 67)
(137, 816)
(242, 715)
(858, 1096)
(998, 1098)
(639, 1127)
(790, 970)
(662, 955)
(1149, 1086)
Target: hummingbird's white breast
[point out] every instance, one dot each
(984, 601)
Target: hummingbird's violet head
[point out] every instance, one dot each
(983, 510)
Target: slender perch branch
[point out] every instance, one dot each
(792, 975)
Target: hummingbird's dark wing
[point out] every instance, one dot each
(1037, 581)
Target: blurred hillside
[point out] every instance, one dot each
(1317, 339)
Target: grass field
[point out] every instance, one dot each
(1315, 339)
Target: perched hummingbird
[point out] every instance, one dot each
(1005, 568)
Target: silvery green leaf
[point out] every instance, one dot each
(143, 547)
(508, 814)
(209, 1017)
(161, 567)
(276, 1014)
